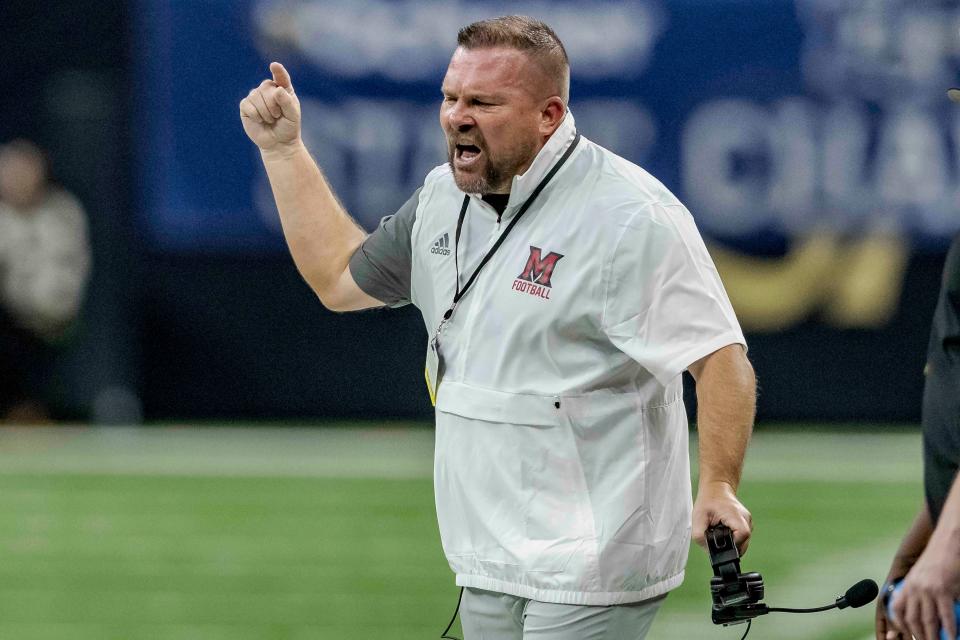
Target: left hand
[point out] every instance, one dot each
(717, 502)
(926, 602)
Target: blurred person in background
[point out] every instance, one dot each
(928, 559)
(44, 265)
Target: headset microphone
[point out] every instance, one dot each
(859, 594)
(738, 597)
(856, 596)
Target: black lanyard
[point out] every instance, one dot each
(458, 295)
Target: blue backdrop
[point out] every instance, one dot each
(767, 118)
(811, 139)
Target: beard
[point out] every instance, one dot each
(494, 173)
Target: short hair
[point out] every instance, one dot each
(525, 34)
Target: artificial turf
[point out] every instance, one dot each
(144, 554)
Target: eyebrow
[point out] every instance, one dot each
(483, 97)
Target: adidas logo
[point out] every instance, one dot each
(442, 246)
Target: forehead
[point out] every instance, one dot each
(488, 70)
(10, 155)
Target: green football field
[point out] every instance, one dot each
(212, 533)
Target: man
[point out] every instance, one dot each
(929, 555)
(44, 265)
(564, 291)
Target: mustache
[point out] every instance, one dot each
(455, 142)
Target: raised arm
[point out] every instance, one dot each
(320, 234)
(726, 402)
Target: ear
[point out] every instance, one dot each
(551, 115)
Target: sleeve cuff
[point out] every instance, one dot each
(679, 364)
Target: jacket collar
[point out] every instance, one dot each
(523, 185)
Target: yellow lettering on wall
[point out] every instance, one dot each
(847, 284)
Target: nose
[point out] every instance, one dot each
(459, 118)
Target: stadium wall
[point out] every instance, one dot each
(247, 339)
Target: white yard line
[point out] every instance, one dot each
(892, 457)
(254, 452)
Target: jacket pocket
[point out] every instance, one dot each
(528, 496)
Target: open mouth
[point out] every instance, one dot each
(467, 154)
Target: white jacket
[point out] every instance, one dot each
(562, 470)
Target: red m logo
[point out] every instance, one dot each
(539, 269)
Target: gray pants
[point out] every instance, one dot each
(486, 615)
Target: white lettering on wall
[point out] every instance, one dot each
(411, 40)
(376, 153)
(811, 165)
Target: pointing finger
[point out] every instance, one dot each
(281, 76)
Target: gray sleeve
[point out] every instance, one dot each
(381, 265)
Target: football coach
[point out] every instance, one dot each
(564, 291)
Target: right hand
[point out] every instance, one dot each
(271, 113)
(717, 503)
(885, 630)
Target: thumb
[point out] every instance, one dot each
(700, 524)
(281, 76)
